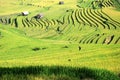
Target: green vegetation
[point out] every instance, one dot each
(72, 41)
(55, 73)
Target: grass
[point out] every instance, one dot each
(21, 52)
(55, 73)
(51, 44)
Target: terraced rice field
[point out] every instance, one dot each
(72, 35)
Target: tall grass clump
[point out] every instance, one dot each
(56, 73)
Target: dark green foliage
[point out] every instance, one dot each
(36, 49)
(65, 47)
(61, 2)
(79, 73)
(116, 4)
(16, 24)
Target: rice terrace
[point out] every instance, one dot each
(59, 39)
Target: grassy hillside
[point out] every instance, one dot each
(72, 35)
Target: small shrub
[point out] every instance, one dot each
(36, 49)
(65, 47)
(69, 59)
(79, 48)
(61, 2)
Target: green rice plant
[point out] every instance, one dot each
(93, 22)
(98, 19)
(111, 20)
(117, 40)
(78, 73)
(30, 22)
(23, 23)
(97, 39)
(84, 17)
(42, 25)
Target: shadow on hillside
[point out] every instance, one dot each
(78, 73)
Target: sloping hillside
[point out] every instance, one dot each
(76, 33)
(70, 22)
